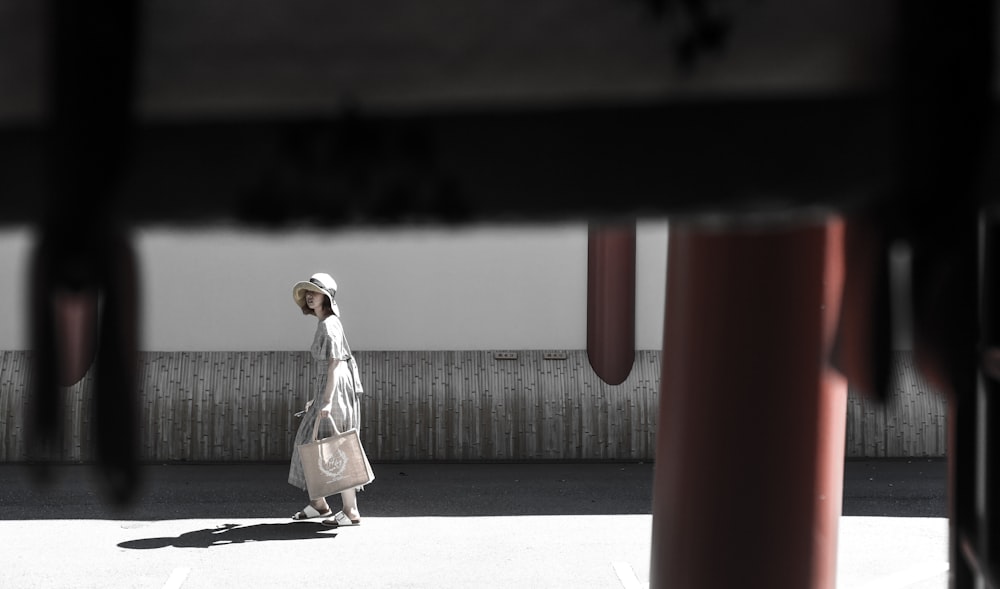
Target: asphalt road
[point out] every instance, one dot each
(896, 488)
(425, 525)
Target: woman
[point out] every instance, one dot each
(336, 394)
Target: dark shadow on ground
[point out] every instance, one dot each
(242, 491)
(903, 487)
(894, 488)
(236, 534)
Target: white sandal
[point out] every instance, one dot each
(340, 520)
(310, 512)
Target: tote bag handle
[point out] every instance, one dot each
(336, 430)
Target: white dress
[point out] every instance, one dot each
(328, 343)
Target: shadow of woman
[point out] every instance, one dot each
(236, 534)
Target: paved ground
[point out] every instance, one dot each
(425, 525)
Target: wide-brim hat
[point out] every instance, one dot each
(321, 283)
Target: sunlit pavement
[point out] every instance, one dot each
(529, 551)
(424, 526)
(534, 551)
(893, 553)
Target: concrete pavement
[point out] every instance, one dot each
(425, 525)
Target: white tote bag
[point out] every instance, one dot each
(334, 464)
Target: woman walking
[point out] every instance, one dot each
(336, 394)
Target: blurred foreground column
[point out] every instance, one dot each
(750, 440)
(611, 301)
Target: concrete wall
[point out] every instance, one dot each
(401, 289)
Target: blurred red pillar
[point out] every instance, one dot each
(750, 442)
(76, 333)
(611, 301)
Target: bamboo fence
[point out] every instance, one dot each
(426, 405)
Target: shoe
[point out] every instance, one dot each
(310, 512)
(341, 520)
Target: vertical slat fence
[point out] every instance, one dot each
(437, 405)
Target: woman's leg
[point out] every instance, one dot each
(350, 500)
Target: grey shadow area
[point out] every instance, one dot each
(891, 488)
(227, 534)
(256, 490)
(908, 487)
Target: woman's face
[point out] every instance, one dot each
(314, 301)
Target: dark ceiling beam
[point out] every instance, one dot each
(493, 166)
(238, 60)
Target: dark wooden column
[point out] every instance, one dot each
(76, 328)
(750, 439)
(611, 301)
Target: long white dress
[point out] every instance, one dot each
(328, 343)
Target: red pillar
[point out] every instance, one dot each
(750, 445)
(611, 301)
(76, 332)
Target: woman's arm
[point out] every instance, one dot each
(328, 390)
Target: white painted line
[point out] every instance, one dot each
(908, 577)
(627, 576)
(177, 578)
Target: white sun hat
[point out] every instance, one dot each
(321, 283)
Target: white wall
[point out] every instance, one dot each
(400, 289)
(14, 252)
(650, 283)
